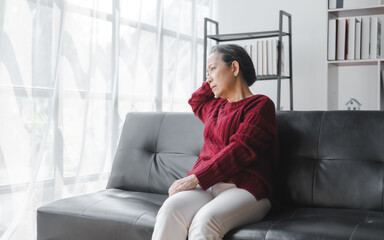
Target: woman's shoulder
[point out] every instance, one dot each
(259, 101)
(261, 107)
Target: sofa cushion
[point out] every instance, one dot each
(301, 223)
(107, 214)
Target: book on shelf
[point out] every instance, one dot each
(351, 39)
(331, 4)
(246, 49)
(253, 51)
(357, 38)
(264, 58)
(269, 57)
(375, 37)
(274, 56)
(365, 37)
(332, 39)
(259, 58)
(382, 77)
(341, 38)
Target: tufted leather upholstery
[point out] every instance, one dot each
(330, 179)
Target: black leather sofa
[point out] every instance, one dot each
(330, 183)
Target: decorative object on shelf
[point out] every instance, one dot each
(353, 104)
(260, 68)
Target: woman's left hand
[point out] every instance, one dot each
(183, 184)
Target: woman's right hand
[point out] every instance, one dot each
(183, 184)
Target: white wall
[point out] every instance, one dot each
(309, 44)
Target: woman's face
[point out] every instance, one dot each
(220, 76)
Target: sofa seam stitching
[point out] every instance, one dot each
(150, 169)
(318, 136)
(293, 213)
(366, 218)
(382, 191)
(265, 237)
(154, 158)
(137, 219)
(317, 157)
(93, 218)
(90, 205)
(353, 232)
(157, 137)
(313, 181)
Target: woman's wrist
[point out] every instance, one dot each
(195, 179)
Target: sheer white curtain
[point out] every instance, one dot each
(69, 72)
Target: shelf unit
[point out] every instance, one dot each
(255, 35)
(377, 65)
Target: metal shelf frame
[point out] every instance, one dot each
(254, 35)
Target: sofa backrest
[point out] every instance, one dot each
(155, 149)
(332, 158)
(327, 158)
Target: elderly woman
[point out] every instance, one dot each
(231, 183)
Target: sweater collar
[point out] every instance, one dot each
(234, 105)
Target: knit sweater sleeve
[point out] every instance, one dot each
(202, 100)
(255, 134)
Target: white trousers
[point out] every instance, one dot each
(207, 215)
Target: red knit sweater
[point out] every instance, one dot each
(240, 142)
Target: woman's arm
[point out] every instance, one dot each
(255, 134)
(202, 101)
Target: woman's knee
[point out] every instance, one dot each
(264, 206)
(170, 205)
(184, 204)
(206, 223)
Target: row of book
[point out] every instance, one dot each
(355, 38)
(334, 4)
(264, 55)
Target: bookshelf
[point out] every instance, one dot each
(364, 74)
(257, 35)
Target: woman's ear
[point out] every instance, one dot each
(235, 68)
